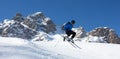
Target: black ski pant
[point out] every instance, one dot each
(70, 32)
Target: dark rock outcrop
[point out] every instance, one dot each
(26, 27)
(81, 33)
(38, 22)
(109, 35)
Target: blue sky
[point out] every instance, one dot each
(88, 13)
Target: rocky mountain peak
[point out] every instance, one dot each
(18, 17)
(27, 27)
(80, 32)
(109, 34)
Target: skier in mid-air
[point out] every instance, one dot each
(68, 30)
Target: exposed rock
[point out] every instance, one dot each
(109, 35)
(80, 33)
(18, 17)
(38, 22)
(51, 27)
(27, 27)
(18, 30)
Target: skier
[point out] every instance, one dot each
(68, 30)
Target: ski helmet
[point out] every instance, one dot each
(73, 21)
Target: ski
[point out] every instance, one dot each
(73, 44)
(76, 45)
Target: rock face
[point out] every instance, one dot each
(26, 27)
(38, 22)
(81, 33)
(18, 17)
(109, 35)
(18, 30)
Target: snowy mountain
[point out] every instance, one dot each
(100, 34)
(38, 26)
(109, 35)
(26, 27)
(37, 37)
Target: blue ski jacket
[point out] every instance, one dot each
(68, 26)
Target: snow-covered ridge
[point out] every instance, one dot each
(33, 25)
(27, 27)
(47, 40)
(108, 34)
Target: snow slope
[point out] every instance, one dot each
(87, 51)
(15, 48)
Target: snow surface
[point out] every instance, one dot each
(15, 48)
